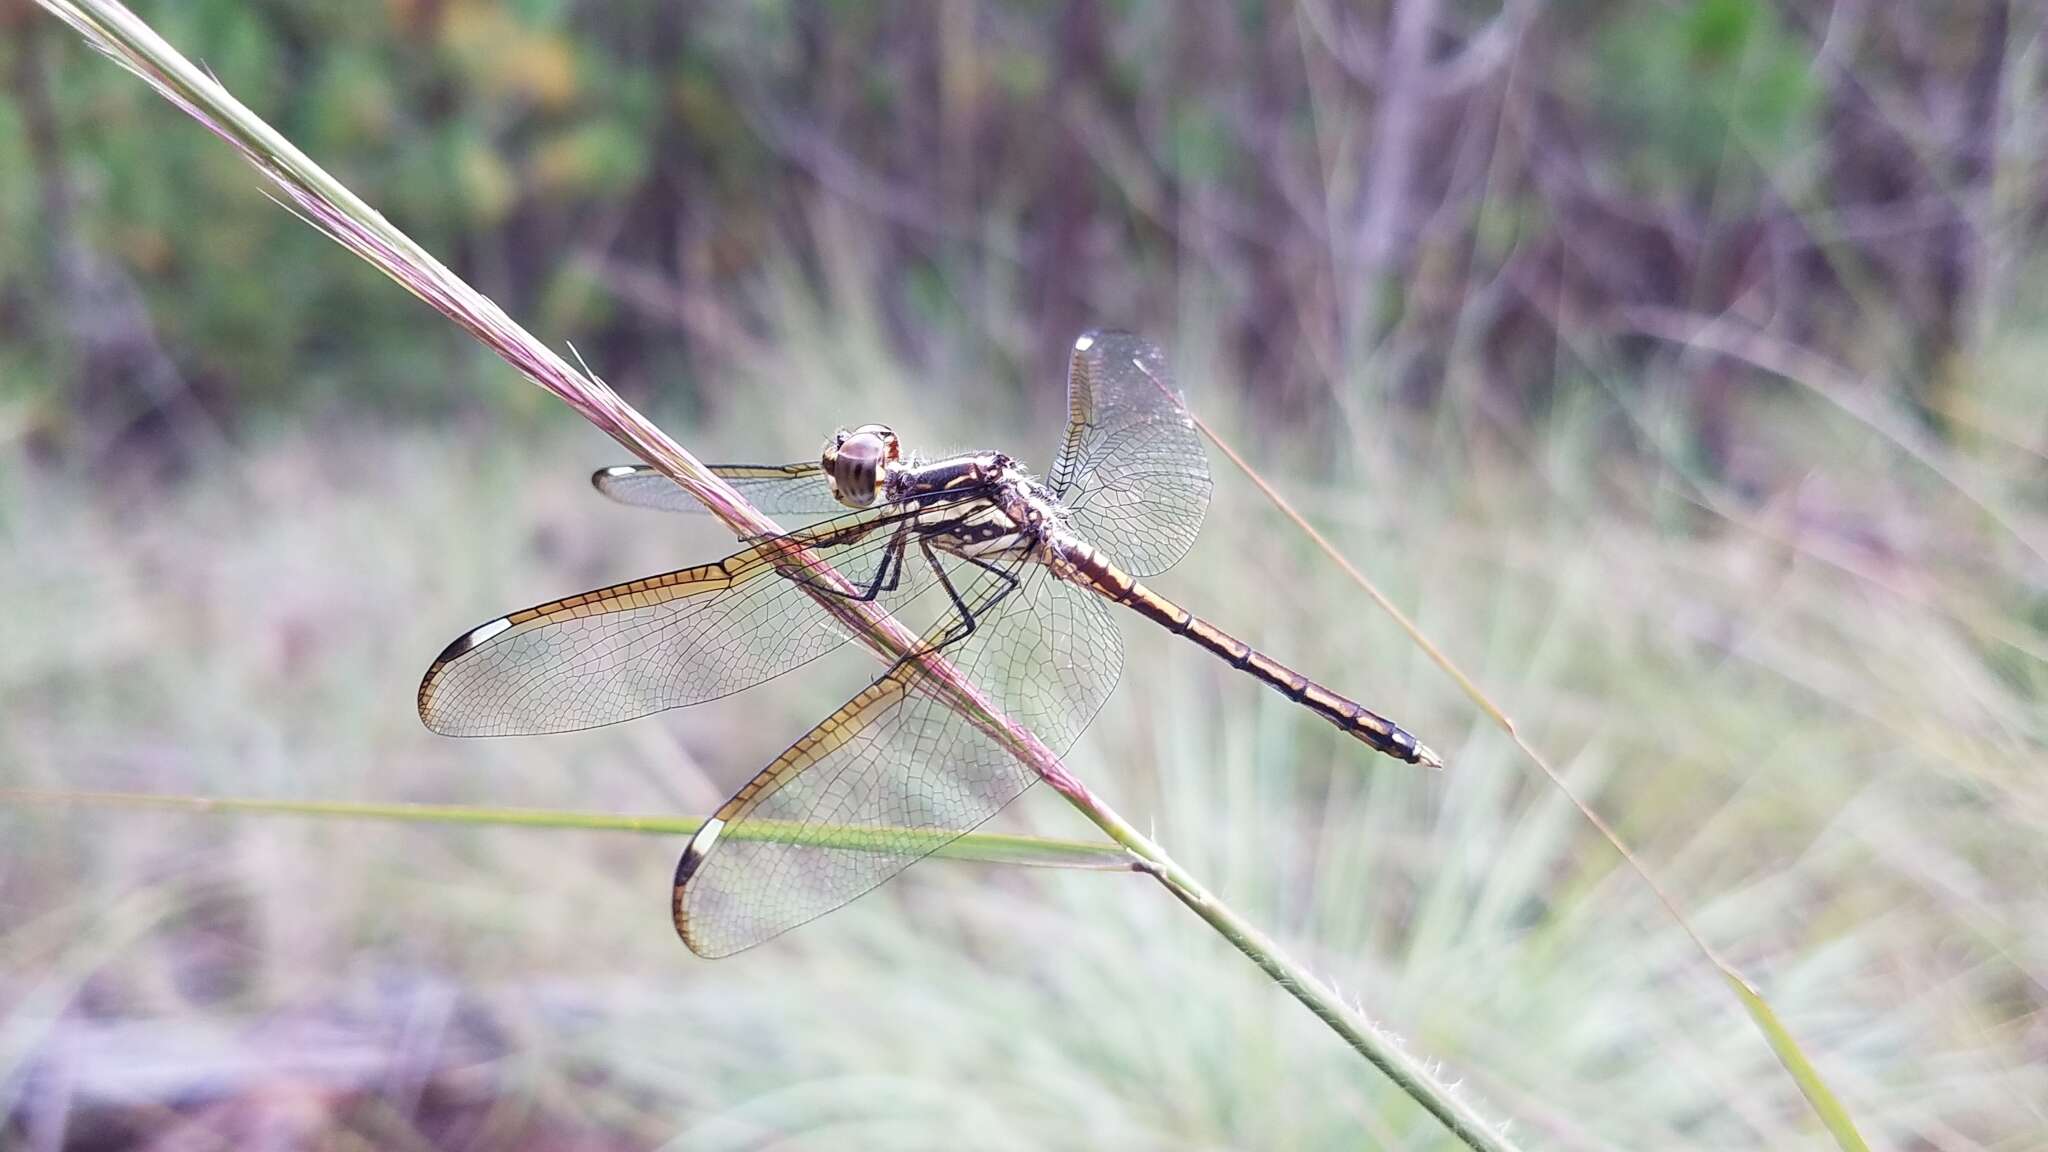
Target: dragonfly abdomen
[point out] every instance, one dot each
(1091, 568)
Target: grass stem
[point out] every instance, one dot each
(981, 847)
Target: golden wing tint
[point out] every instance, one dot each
(896, 772)
(666, 641)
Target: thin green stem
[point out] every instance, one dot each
(1382, 1050)
(979, 847)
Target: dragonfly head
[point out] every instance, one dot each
(857, 463)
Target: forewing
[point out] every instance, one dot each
(896, 774)
(777, 489)
(1131, 468)
(663, 642)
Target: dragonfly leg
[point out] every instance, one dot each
(887, 574)
(964, 626)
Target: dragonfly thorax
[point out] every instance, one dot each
(982, 504)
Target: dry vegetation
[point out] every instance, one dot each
(1769, 589)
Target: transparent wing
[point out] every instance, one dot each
(785, 489)
(666, 641)
(1131, 469)
(895, 774)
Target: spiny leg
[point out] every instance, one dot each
(966, 622)
(887, 574)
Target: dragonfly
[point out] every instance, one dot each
(1021, 571)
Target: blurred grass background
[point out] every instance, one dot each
(1677, 364)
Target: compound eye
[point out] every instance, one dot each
(865, 451)
(857, 470)
(857, 463)
(883, 436)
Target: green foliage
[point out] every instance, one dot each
(574, 301)
(598, 159)
(455, 126)
(1026, 168)
(1202, 151)
(1696, 84)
